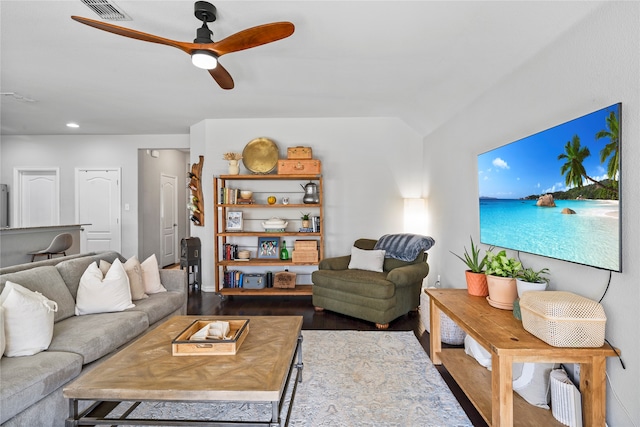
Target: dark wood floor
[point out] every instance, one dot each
(208, 303)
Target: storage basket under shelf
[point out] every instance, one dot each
(563, 319)
(450, 332)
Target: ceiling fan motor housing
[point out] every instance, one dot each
(205, 11)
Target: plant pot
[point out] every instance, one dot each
(502, 292)
(305, 223)
(476, 284)
(523, 286)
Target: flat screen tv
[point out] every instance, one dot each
(556, 193)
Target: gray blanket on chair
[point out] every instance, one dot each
(404, 247)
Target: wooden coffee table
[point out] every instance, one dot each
(146, 370)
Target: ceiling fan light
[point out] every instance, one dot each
(204, 59)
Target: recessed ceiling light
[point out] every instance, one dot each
(73, 125)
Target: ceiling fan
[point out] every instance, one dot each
(204, 51)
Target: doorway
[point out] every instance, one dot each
(98, 209)
(162, 191)
(168, 219)
(37, 197)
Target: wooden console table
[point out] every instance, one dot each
(507, 341)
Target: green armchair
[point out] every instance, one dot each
(378, 297)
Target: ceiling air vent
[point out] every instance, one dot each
(107, 10)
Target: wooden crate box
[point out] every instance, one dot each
(299, 167)
(305, 255)
(305, 245)
(299, 152)
(284, 279)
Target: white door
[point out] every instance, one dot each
(37, 197)
(98, 205)
(168, 219)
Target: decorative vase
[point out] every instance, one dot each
(234, 168)
(502, 292)
(476, 284)
(523, 286)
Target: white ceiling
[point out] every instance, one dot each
(421, 61)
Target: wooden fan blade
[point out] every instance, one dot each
(252, 37)
(222, 77)
(138, 35)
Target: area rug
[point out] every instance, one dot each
(350, 378)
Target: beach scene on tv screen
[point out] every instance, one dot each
(556, 193)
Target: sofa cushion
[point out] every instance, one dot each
(356, 282)
(28, 320)
(159, 305)
(26, 380)
(342, 299)
(95, 335)
(48, 281)
(72, 270)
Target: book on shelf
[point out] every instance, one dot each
(228, 195)
(232, 279)
(230, 252)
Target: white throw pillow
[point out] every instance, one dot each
(98, 294)
(478, 352)
(151, 276)
(533, 382)
(134, 273)
(361, 259)
(28, 320)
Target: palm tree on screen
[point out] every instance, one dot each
(573, 169)
(612, 148)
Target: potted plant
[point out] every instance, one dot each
(476, 279)
(501, 272)
(530, 280)
(305, 219)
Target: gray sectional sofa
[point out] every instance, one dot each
(31, 386)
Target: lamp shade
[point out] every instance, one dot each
(415, 212)
(204, 59)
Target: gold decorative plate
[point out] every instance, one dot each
(260, 155)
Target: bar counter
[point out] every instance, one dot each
(16, 243)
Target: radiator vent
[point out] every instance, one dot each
(107, 10)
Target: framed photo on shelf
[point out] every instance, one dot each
(268, 247)
(234, 221)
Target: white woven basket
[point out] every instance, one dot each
(449, 330)
(563, 319)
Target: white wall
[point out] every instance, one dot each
(593, 66)
(368, 166)
(74, 151)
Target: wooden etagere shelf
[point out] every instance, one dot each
(276, 185)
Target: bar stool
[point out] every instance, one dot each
(59, 245)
